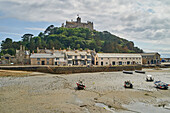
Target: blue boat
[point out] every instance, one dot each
(161, 85)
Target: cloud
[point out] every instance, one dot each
(141, 21)
(36, 29)
(7, 33)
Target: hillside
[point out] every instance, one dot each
(75, 38)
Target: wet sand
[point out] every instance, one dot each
(33, 92)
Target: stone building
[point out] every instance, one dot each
(8, 59)
(150, 58)
(22, 56)
(108, 59)
(61, 57)
(42, 59)
(78, 24)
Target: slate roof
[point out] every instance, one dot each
(149, 54)
(119, 55)
(42, 55)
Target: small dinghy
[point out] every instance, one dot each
(149, 78)
(128, 84)
(80, 85)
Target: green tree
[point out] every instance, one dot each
(50, 44)
(7, 43)
(11, 51)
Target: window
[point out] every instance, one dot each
(88, 61)
(101, 63)
(76, 62)
(126, 58)
(120, 62)
(106, 62)
(88, 56)
(38, 59)
(48, 59)
(38, 63)
(113, 63)
(108, 58)
(101, 58)
(75, 57)
(122, 58)
(118, 58)
(69, 62)
(83, 56)
(57, 58)
(136, 58)
(82, 62)
(69, 56)
(47, 62)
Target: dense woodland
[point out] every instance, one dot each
(75, 38)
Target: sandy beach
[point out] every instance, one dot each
(34, 92)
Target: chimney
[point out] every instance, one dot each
(53, 49)
(76, 51)
(81, 49)
(38, 50)
(21, 47)
(60, 49)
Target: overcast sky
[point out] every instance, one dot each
(145, 22)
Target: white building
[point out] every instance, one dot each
(107, 59)
(78, 57)
(60, 58)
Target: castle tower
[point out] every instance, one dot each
(62, 25)
(78, 20)
(79, 24)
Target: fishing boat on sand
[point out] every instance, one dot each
(128, 72)
(161, 85)
(139, 71)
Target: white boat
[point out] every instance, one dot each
(149, 78)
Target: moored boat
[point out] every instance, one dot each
(128, 84)
(149, 78)
(161, 85)
(80, 85)
(128, 72)
(139, 71)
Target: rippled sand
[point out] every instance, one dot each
(47, 93)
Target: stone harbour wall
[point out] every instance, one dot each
(69, 70)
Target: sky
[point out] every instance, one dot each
(145, 22)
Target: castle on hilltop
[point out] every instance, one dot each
(78, 24)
